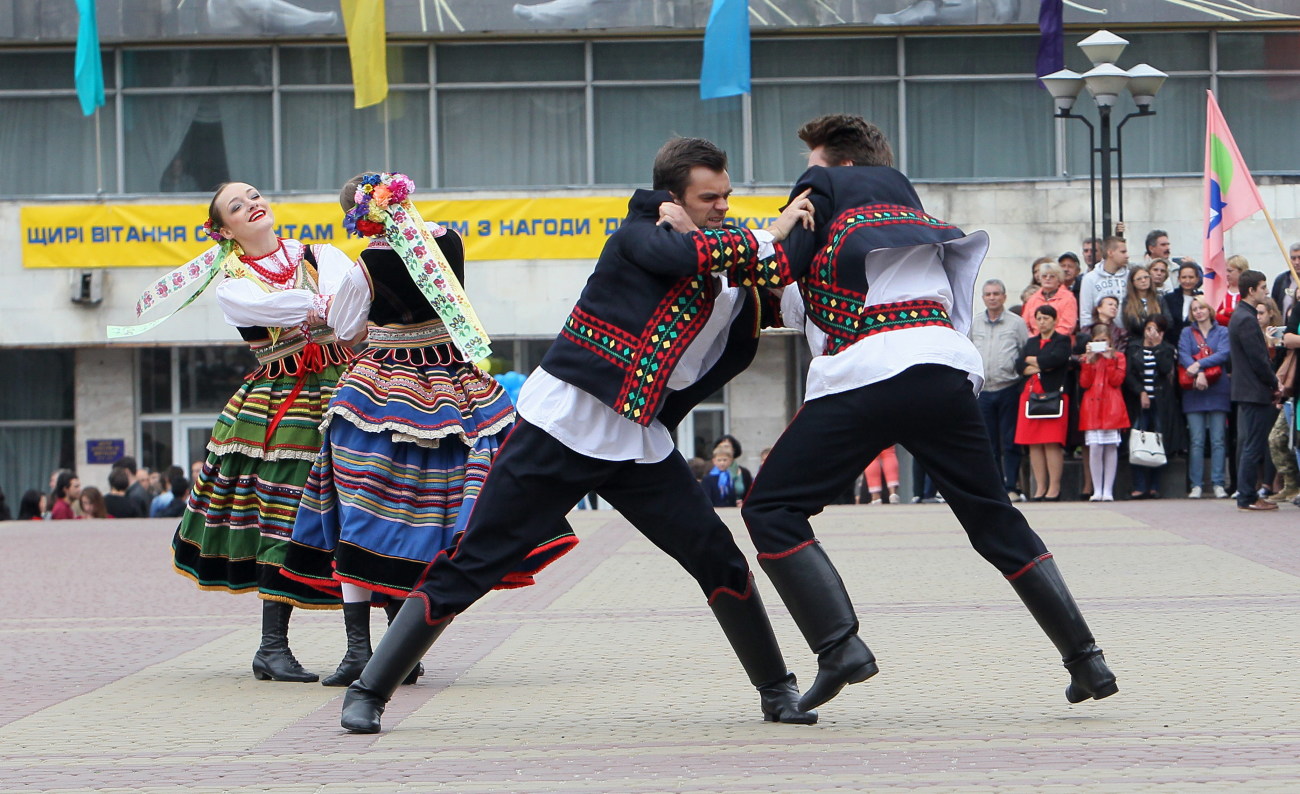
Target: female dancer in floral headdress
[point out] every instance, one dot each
(279, 293)
(413, 427)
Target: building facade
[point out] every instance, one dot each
(543, 107)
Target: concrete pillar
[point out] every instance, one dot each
(760, 398)
(104, 401)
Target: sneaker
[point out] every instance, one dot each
(876, 502)
(893, 499)
(1220, 492)
(916, 500)
(1195, 493)
(1284, 495)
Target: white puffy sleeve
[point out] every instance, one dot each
(792, 308)
(350, 307)
(243, 303)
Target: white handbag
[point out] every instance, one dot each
(1146, 448)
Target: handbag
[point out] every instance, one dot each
(1044, 404)
(1188, 382)
(1146, 448)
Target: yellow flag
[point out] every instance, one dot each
(364, 22)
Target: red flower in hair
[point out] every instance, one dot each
(369, 228)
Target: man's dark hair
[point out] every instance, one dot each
(1159, 320)
(1047, 309)
(673, 163)
(1249, 280)
(844, 137)
(1153, 235)
(126, 462)
(118, 479)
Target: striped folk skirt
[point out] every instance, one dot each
(409, 439)
(241, 510)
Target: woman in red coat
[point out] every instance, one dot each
(1102, 413)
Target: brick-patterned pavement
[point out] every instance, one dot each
(116, 675)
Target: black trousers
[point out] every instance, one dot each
(928, 408)
(535, 480)
(1254, 421)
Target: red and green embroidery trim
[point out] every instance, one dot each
(675, 322)
(605, 340)
(836, 310)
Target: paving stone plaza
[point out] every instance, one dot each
(611, 676)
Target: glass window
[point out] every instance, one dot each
(156, 444)
(197, 67)
(333, 66)
(48, 147)
(191, 143)
(510, 63)
(825, 57)
(512, 137)
(647, 60)
(632, 123)
(779, 111)
(1264, 113)
(327, 140)
(37, 70)
(1171, 142)
(28, 455)
(155, 371)
(209, 375)
(44, 390)
(1259, 51)
(968, 130)
(962, 55)
(1168, 52)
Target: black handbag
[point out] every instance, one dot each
(1044, 404)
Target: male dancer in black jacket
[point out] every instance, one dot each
(670, 313)
(892, 365)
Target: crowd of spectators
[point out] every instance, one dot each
(1092, 358)
(132, 492)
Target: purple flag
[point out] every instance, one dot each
(1051, 44)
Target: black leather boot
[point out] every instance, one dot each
(356, 623)
(1043, 590)
(391, 609)
(409, 637)
(273, 660)
(814, 593)
(745, 623)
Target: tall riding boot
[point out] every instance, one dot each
(745, 623)
(814, 593)
(1043, 590)
(391, 608)
(356, 623)
(409, 637)
(274, 661)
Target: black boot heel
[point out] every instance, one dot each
(1090, 678)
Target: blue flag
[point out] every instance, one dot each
(89, 68)
(725, 71)
(1051, 42)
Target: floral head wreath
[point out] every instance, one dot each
(375, 194)
(210, 230)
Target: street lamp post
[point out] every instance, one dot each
(1105, 81)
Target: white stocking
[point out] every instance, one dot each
(1096, 461)
(1110, 468)
(353, 594)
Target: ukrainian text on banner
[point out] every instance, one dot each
(165, 235)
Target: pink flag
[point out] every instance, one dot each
(1230, 196)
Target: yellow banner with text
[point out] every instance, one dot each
(167, 235)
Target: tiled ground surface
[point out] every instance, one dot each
(117, 675)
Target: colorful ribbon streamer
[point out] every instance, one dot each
(203, 267)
